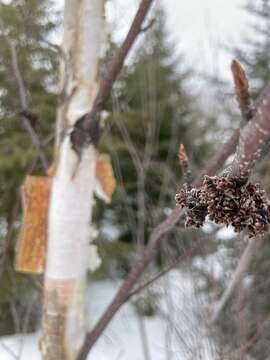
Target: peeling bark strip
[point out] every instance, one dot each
(87, 129)
(31, 245)
(69, 233)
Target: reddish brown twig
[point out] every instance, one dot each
(241, 87)
(87, 128)
(184, 163)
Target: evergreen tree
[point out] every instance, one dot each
(27, 25)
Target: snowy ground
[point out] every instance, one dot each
(177, 332)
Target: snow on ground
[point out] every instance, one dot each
(177, 332)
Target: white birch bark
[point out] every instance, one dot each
(71, 202)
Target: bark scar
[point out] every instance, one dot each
(83, 135)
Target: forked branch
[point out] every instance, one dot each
(88, 127)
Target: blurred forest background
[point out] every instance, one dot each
(151, 111)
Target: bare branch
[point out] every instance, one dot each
(34, 137)
(24, 104)
(17, 74)
(191, 252)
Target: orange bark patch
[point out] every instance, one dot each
(52, 169)
(105, 176)
(31, 246)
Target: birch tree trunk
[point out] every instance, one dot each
(69, 231)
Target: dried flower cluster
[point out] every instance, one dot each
(227, 201)
(196, 210)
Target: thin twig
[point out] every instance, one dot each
(35, 139)
(24, 104)
(243, 265)
(184, 163)
(9, 350)
(165, 271)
